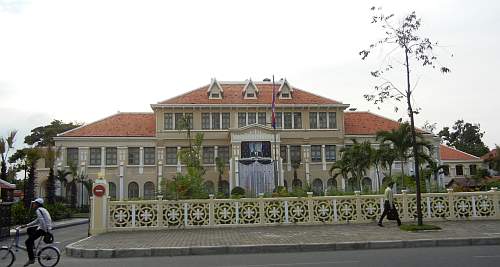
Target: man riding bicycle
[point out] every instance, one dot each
(41, 226)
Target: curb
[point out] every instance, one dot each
(58, 226)
(73, 251)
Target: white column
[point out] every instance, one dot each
(141, 162)
(236, 172)
(343, 184)
(288, 159)
(160, 176)
(121, 181)
(323, 157)
(282, 172)
(216, 153)
(231, 162)
(306, 149)
(103, 161)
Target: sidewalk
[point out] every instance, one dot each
(57, 225)
(176, 242)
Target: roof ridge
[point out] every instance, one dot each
(452, 148)
(384, 117)
(181, 95)
(307, 92)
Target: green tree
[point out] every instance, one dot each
(61, 176)
(356, 161)
(414, 50)
(50, 154)
(466, 137)
(44, 135)
(32, 156)
(387, 157)
(221, 168)
(6, 144)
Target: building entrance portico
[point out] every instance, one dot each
(255, 165)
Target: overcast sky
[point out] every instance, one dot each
(85, 60)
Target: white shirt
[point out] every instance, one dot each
(43, 220)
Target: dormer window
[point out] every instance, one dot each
(285, 91)
(215, 90)
(250, 91)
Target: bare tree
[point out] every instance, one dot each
(416, 52)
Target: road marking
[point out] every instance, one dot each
(492, 256)
(300, 264)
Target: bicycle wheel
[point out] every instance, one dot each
(6, 257)
(48, 256)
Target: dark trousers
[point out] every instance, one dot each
(387, 207)
(33, 235)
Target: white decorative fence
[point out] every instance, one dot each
(164, 214)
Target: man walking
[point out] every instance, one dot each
(389, 205)
(41, 226)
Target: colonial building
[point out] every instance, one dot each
(136, 152)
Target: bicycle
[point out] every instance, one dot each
(48, 256)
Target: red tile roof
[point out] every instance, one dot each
(490, 155)
(233, 94)
(449, 153)
(367, 123)
(118, 125)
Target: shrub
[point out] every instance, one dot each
(240, 191)
(21, 215)
(58, 211)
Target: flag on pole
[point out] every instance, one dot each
(273, 106)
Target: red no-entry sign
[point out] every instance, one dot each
(99, 190)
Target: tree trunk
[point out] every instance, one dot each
(414, 141)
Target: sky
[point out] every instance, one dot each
(85, 60)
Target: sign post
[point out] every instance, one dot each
(99, 207)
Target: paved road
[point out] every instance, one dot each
(436, 256)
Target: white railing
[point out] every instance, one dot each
(159, 214)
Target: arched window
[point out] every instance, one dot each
(149, 190)
(112, 190)
(331, 184)
(317, 187)
(224, 185)
(133, 190)
(367, 184)
(296, 183)
(209, 187)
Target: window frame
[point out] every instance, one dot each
(208, 155)
(316, 153)
(111, 157)
(95, 159)
(328, 153)
(131, 160)
(146, 156)
(168, 156)
(72, 156)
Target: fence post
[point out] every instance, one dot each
(99, 207)
(261, 208)
(211, 210)
(406, 215)
(496, 201)
(359, 216)
(310, 206)
(451, 204)
(159, 210)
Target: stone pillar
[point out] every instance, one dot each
(122, 182)
(141, 163)
(236, 172)
(288, 159)
(160, 176)
(103, 161)
(216, 154)
(99, 209)
(323, 157)
(306, 150)
(343, 184)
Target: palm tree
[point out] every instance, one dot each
(5, 146)
(61, 177)
(387, 157)
(341, 167)
(50, 154)
(356, 160)
(295, 166)
(32, 156)
(401, 140)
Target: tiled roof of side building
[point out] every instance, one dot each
(367, 123)
(450, 153)
(233, 94)
(490, 155)
(118, 125)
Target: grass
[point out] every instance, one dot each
(416, 228)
